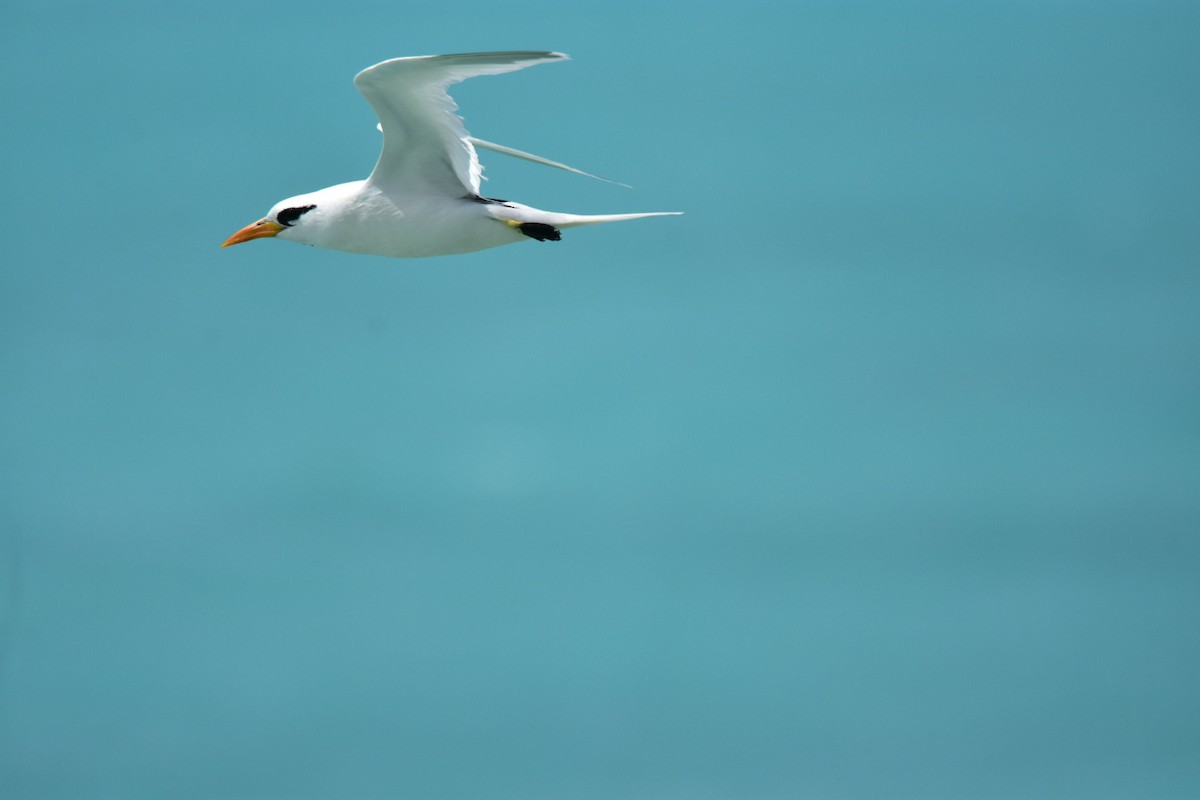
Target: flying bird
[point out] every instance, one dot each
(423, 197)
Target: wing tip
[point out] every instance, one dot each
(515, 59)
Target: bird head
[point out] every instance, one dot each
(285, 220)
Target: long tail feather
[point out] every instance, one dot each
(576, 220)
(512, 151)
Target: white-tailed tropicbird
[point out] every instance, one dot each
(423, 197)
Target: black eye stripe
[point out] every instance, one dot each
(288, 216)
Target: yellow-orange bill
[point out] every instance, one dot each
(257, 230)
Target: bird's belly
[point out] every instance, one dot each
(421, 230)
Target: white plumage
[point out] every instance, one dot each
(423, 197)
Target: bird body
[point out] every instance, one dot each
(423, 197)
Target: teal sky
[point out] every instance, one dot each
(872, 476)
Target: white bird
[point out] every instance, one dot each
(423, 197)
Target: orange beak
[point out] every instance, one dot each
(257, 230)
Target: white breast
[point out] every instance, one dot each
(358, 218)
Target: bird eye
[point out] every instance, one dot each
(288, 216)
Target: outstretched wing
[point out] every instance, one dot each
(424, 141)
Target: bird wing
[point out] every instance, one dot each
(424, 141)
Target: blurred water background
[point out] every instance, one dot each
(873, 476)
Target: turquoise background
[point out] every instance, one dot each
(873, 476)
